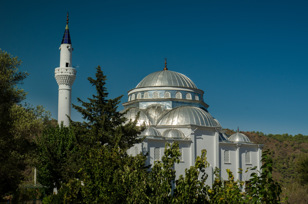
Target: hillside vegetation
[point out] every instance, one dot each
(287, 152)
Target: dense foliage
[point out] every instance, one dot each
(13, 147)
(20, 124)
(111, 176)
(55, 157)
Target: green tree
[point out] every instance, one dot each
(191, 187)
(302, 169)
(263, 188)
(103, 122)
(56, 157)
(12, 147)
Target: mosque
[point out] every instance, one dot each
(173, 110)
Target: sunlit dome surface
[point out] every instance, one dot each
(239, 138)
(166, 78)
(142, 120)
(150, 131)
(188, 115)
(174, 134)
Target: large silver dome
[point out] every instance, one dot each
(166, 78)
(143, 119)
(188, 115)
(239, 138)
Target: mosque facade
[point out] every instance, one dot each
(173, 110)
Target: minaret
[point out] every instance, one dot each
(65, 76)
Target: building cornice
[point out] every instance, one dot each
(164, 100)
(163, 88)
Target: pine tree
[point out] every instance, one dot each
(103, 123)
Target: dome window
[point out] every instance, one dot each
(178, 95)
(146, 95)
(167, 94)
(197, 98)
(139, 96)
(128, 98)
(188, 96)
(133, 97)
(155, 94)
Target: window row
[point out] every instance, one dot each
(167, 94)
(158, 155)
(228, 161)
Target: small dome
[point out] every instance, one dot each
(188, 115)
(150, 131)
(166, 78)
(132, 114)
(239, 138)
(174, 134)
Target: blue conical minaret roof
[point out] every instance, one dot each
(66, 37)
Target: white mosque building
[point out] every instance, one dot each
(172, 108)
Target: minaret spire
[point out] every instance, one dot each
(65, 76)
(67, 19)
(165, 68)
(66, 37)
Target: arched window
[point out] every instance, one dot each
(247, 157)
(155, 94)
(133, 97)
(197, 98)
(128, 98)
(178, 95)
(167, 94)
(146, 95)
(181, 157)
(188, 96)
(139, 96)
(227, 156)
(156, 154)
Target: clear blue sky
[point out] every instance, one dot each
(250, 57)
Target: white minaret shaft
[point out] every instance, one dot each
(65, 76)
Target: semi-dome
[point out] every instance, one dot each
(174, 134)
(239, 138)
(150, 131)
(166, 78)
(188, 115)
(131, 114)
(223, 137)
